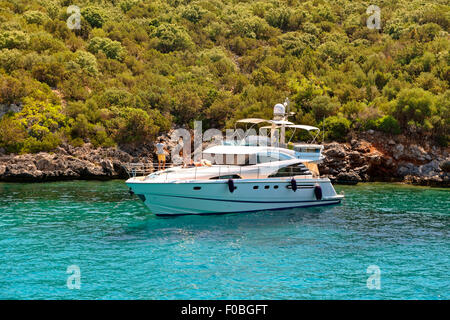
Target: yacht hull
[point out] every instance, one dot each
(214, 196)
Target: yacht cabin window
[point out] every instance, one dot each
(247, 159)
(306, 149)
(298, 169)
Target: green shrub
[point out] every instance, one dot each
(370, 124)
(115, 97)
(323, 106)
(12, 90)
(132, 126)
(52, 72)
(413, 105)
(36, 128)
(95, 16)
(112, 49)
(127, 5)
(251, 27)
(41, 118)
(279, 17)
(333, 52)
(388, 124)
(87, 62)
(34, 16)
(336, 128)
(193, 13)
(10, 60)
(352, 109)
(14, 39)
(77, 142)
(187, 105)
(296, 43)
(12, 134)
(81, 127)
(34, 145)
(171, 38)
(100, 137)
(44, 41)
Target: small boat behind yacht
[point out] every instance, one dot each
(241, 176)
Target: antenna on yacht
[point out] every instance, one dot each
(286, 105)
(279, 114)
(285, 118)
(280, 119)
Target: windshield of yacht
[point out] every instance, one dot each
(247, 159)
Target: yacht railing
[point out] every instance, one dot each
(142, 169)
(223, 171)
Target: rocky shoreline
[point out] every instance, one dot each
(368, 157)
(376, 157)
(69, 163)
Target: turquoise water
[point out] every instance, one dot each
(124, 252)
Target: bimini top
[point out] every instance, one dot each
(258, 120)
(295, 126)
(252, 120)
(281, 122)
(233, 149)
(302, 126)
(291, 125)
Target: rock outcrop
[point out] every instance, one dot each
(375, 158)
(369, 157)
(69, 163)
(5, 108)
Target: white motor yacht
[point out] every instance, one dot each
(241, 176)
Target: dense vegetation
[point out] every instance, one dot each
(135, 68)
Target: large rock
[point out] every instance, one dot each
(442, 180)
(408, 169)
(119, 169)
(348, 178)
(430, 169)
(445, 165)
(361, 170)
(356, 158)
(334, 150)
(415, 152)
(388, 162)
(362, 146)
(92, 171)
(397, 152)
(5, 108)
(108, 167)
(48, 163)
(375, 159)
(22, 171)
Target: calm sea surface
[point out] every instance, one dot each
(125, 252)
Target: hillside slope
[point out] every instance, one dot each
(135, 68)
